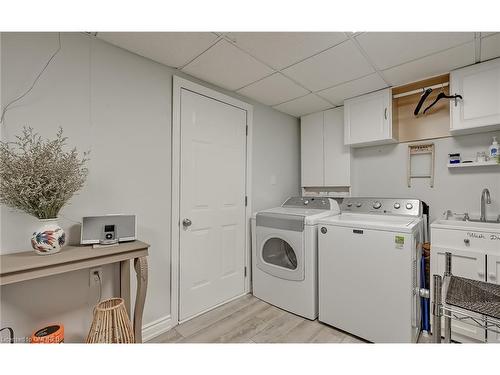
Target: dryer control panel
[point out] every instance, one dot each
(320, 203)
(387, 206)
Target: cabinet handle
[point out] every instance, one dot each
(493, 276)
(480, 273)
(385, 113)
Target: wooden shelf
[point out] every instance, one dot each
(23, 266)
(474, 164)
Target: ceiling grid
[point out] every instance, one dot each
(297, 73)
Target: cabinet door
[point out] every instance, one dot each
(368, 119)
(469, 264)
(493, 276)
(312, 163)
(479, 86)
(337, 156)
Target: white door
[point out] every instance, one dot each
(311, 139)
(479, 86)
(368, 119)
(337, 156)
(469, 264)
(212, 203)
(493, 277)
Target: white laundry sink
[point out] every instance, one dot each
(467, 225)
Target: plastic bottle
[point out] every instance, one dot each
(494, 149)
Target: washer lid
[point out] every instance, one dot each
(376, 222)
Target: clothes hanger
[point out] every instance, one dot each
(440, 96)
(424, 96)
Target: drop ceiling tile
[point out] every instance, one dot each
(436, 64)
(490, 47)
(304, 105)
(280, 50)
(388, 49)
(353, 33)
(337, 94)
(273, 90)
(339, 64)
(227, 66)
(172, 49)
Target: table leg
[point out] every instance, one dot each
(141, 269)
(125, 284)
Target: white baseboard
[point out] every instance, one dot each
(156, 328)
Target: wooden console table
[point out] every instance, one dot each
(27, 265)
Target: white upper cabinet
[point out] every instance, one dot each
(311, 137)
(368, 119)
(337, 156)
(325, 160)
(479, 86)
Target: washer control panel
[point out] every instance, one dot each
(389, 206)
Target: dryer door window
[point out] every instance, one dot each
(278, 252)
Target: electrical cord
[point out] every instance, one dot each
(7, 107)
(68, 219)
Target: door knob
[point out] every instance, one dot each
(186, 222)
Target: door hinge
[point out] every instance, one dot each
(245, 271)
(246, 130)
(246, 201)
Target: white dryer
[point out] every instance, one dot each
(284, 253)
(369, 269)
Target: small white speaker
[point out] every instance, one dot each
(108, 229)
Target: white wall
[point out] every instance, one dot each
(118, 105)
(276, 158)
(381, 171)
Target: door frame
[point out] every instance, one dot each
(178, 85)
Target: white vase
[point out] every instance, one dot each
(49, 238)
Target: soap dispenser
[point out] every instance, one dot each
(494, 148)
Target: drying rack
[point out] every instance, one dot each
(472, 302)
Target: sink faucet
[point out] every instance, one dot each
(485, 198)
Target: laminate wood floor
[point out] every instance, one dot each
(250, 320)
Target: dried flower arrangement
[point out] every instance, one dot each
(38, 176)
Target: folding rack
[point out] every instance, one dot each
(442, 309)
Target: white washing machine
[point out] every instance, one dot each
(284, 253)
(369, 269)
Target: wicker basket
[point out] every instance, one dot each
(111, 323)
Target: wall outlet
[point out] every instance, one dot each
(94, 275)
